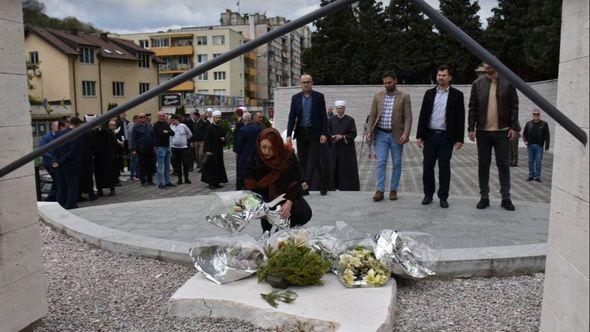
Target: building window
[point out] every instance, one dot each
(145, 43)
(203, 91)
(89, 88)
(203, 76)
(218, 40)
(215, 55)
(202, 40)
(219, 75)
(219, 92)
(160, 42)
(86, 55)
(201, 58)
(184, 59)
(118, 89)
(143, 87)
(144, 60)
(34, 57)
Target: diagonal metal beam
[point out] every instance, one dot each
(441, 21)
(154, 92)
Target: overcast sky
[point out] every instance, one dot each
(151, 15)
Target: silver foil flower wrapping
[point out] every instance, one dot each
(406, 253)
(227, 258)
(233, 210)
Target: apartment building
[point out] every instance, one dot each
(78, 74)
(278, 63)
(183, 49)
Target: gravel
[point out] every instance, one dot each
(91, 289)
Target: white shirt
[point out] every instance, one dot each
(181, 136)
(439, 110)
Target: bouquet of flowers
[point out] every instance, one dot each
(358, 267)
(407, 254)
(233, 210)
(227, 258)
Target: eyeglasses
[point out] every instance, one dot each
(536, 114)
(306, 82)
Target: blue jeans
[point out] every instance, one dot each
(384, 143)
(535, 156)
(163, 165)
(133, 165)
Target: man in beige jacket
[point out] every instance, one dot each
(389, 124)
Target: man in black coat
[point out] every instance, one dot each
(213, 171)
(440, 128)
(245, 146)
(105, 160)
(307, 117)
(343, 164)
(67, 164)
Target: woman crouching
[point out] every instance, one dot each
(273, 171)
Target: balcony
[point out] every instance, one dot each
(251, 56)
(251, 71)
(252, 87)
(172, 68)
(186, 86)
(174, 50)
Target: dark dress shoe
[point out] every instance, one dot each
(444, 204)
(427, 200)
(170, 185)
(530, 178)
(187, 181)
(538, 180)
(179, 182)
(378, 196)
(483, 203)
(507, 204)
(323, 192)
(162, 187)
(212, 187)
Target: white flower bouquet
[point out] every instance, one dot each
(233, 210)
(358, 267)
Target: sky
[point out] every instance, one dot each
(153, 15)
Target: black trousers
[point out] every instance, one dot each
(67, 189)
(310, 157)
(181, 162)
(437, 147)
(52, 197)
(498, 140)
(145, 165)
(300, 215)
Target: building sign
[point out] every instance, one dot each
(171, 99)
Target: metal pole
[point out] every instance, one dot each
(518, 83)
(135, 101)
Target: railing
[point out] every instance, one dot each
(175, 66)
(438, 18)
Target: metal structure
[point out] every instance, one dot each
(438, 18)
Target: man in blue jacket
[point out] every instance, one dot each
(245, 146)
(67, 163)
(143, 147)
(308, 119)
(49, 157)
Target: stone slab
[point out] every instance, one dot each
(330, 307)
(11, 10)
(16, 141)
(19, 254)
(14, 195)
(15, 103)
(12, 47)
(23, 302)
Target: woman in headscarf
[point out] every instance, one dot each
(273, 171)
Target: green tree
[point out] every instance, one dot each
(367, 38)
(34, 14)
(408, 43)
(328, 60)
(448, 50)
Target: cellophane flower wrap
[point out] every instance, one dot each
(225, 259)
(233, 210)
(407, 254)
(358, 267)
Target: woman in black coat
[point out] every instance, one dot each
(273, 171)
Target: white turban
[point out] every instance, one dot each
(217, 113)
(89, 117)
(209, 110)
(340, 103)
(243, 108)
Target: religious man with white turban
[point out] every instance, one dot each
(213, 170)
(343, 164)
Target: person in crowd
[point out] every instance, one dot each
(493, 122)
(389, 124)
(190, 120)
(271, 116)
(213, 171)
(49, 157)
(441, 128)
(118, 130)
(343, 163)
(199, 139)
(258, 119)
(162, 134)
(87, 146)
(133, 174)
(143, 148)
(307, 117)
(239, 124)
(536, 136)
(330, 112)
(66, 119)
(246, 144)
(181, 160)
(272, 171)
(105, 160)
(67, 164)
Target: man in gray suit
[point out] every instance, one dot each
(389, 124)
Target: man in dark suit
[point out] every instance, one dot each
(441, 128)
(308, 119)
(245, 146)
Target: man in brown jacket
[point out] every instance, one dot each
(389, 124)
(493, 120)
